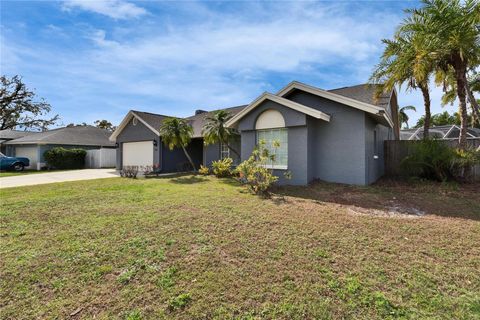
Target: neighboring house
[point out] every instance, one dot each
(334, 135)
(34, 146)
(7, 135)
(446, 132)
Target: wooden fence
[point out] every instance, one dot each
(397, 150)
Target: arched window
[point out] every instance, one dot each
(270, 119)
(270, 127)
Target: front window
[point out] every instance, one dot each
(224, 151)
(269, 136)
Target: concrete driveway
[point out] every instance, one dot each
(61, 176)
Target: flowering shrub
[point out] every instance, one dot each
(221, 168)
(254, 172)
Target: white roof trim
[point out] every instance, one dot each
(370, 108)
(284, 102)
(124, 123)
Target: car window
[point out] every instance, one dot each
(2, 155)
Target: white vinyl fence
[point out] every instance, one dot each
(100, 158)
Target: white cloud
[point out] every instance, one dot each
(210, 59)
(116, 9)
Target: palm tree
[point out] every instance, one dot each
(450, 93)
(403, 63)
(177, 133)
(215, 131)
(403, 116)
(449, 34)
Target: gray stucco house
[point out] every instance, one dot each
(335, 135)
(34, 145)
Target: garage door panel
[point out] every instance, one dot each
(137, 153)
(30, 153)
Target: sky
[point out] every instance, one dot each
(99, 59)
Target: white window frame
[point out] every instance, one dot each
(257, 140)
(224, 149)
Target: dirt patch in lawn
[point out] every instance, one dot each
(392, 198)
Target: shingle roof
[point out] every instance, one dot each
(364, 93)
(153, 119)
(14, 134)
(197, 121)
(77, 135)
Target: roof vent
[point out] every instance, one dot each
(199, 111)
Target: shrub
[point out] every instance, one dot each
(254, 172)
(129, 172)
(221, 168)
(61, 158)
(204, 170)
(435, 160)
(463, 163)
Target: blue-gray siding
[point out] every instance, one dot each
(341, 150)
(169, 160)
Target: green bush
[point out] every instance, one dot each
(221, 168)
(61, 158)
(435, 160)
(254, 172)
(463, 162)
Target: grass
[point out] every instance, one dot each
(198, 248)
(25, 172)
(18, 173)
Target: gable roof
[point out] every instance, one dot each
(359, 96)
(151, 120)
(280, 100)
(342, 98)
(364, 93)
(14, 134)
(77, 135)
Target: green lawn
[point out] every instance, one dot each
(25, 172)
(18, 173)
(197, 248)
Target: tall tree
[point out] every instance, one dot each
(403, 63)
(104, 124)
(215, 131)
(403, 116)
(449, 33)
(20, 109)
(450, 93)
(177, 133)
(445, 118)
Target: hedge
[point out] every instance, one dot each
(61, 158)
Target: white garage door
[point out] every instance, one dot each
(30, 153)
(138, 153)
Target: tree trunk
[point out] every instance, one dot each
(426, 102)
(474, 105)
(233, 150)
(461, 78)
(189, 159)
